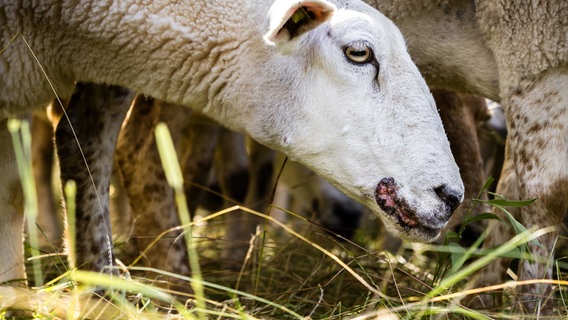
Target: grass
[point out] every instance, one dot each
(297, 271)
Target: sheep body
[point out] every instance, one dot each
(68, 42)
(527, 38)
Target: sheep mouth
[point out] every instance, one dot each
(386, 195)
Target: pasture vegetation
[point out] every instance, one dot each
(294, 270)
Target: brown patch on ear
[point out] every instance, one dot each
(290, 20)
(304, 18)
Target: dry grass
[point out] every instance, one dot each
(294, 270)
(285, 278)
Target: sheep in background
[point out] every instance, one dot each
(515, 53)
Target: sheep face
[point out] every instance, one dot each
(357, 112)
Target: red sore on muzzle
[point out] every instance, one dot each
(389, 201)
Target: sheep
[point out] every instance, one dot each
(151, 199)
(514, 53)
(322, 82)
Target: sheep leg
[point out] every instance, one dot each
(151, 198)
(95, 114)
(262, 161)
(458, 115)
(501, 231)
(48, 218)
(536, 155)
(538, 114)
(258, 190)
(232, 168)
(12, 217)
(198, 152)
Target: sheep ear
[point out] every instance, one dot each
(290, 19)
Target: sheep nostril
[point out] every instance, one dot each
(451, 198)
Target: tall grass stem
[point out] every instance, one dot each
(21, 140)
(174, 176)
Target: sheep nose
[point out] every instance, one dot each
(450, 197)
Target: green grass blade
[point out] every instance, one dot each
(70, 191)
(21, 140)
(512, 244)
(223, 288)
(174, 176)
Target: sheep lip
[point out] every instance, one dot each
(392, 204)
(404, 216)
(407, 217)
(388, 200)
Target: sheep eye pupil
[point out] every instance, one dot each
(358, 53)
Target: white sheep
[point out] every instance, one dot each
(330, 85)
(515, 53)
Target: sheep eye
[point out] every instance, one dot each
(359, 53)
